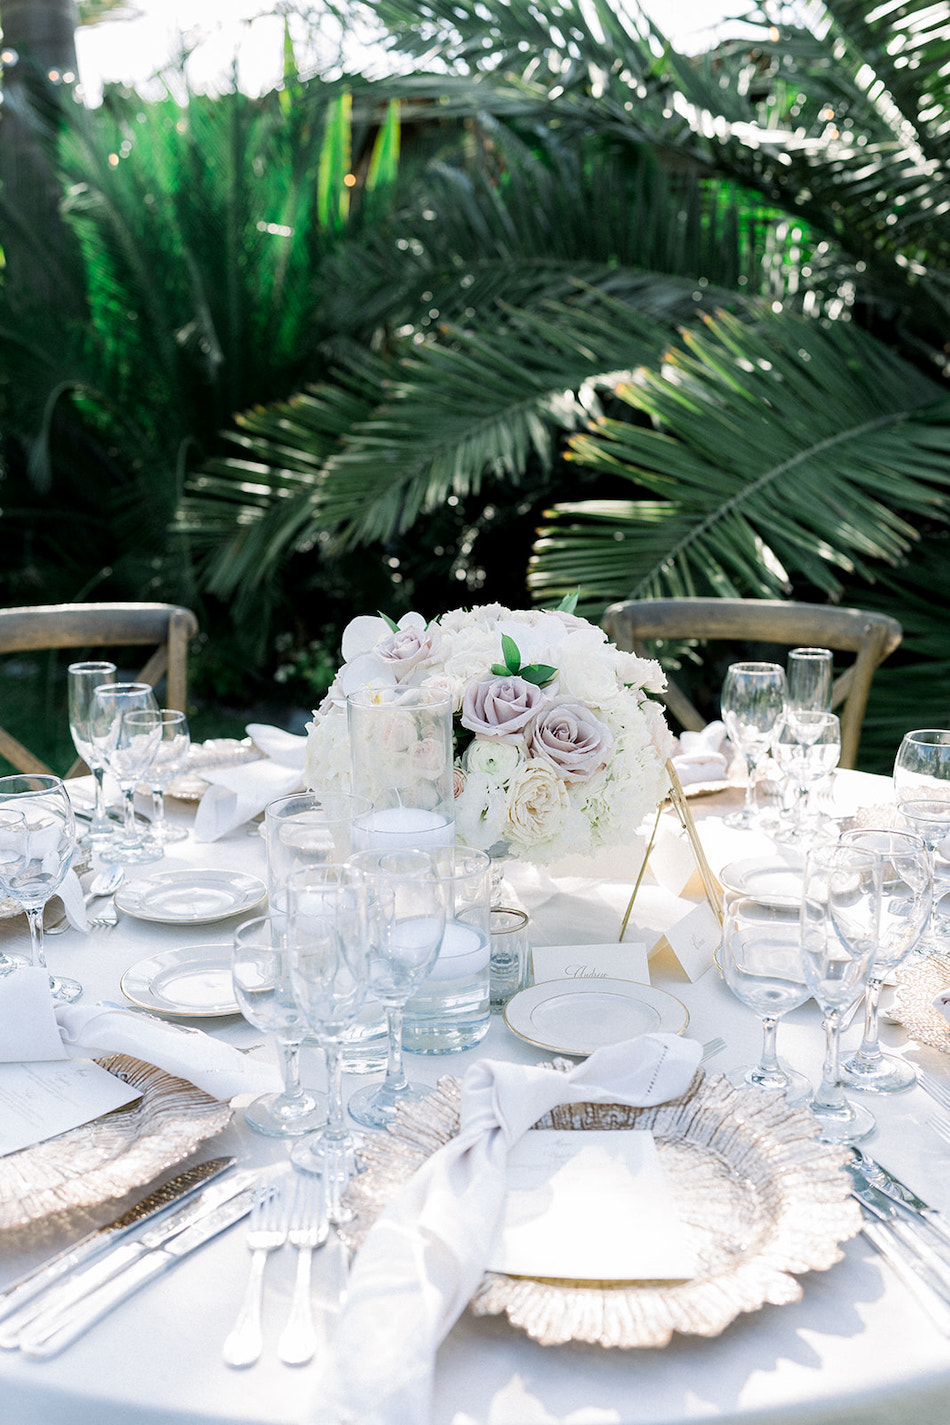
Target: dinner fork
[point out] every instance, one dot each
(267, 1230)
(937, 1090)
(941, 1126)
(309, 1230)
(711, 1048)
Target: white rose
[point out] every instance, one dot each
(480, 812)
(497, 760)
(537, 804)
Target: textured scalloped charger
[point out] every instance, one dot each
(761, 1201)
(121, 1150)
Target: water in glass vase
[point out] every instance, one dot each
(451, 1011)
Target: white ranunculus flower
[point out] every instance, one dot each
(480, 812)
(495, 759)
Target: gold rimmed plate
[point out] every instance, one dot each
(578, 1016)
(194, 981)
(190, 897)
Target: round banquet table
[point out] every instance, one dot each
(856, 1347)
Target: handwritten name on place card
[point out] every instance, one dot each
(590, 962)
(590, 1207)
(41, 1099)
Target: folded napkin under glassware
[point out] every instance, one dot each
(33, 1027)
(425, 1255)
(700, 757)
(237, 794)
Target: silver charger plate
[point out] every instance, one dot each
(106, 1158)
(578, 1016)
(194, 981)
(761, 1201)
(918, 984)
(190, 897)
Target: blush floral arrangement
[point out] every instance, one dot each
(558, 747)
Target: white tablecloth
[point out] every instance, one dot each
(856, 1348)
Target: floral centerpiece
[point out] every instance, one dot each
(558, 747)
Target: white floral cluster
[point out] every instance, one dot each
(560, 750)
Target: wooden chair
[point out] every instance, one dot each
(871, 637)
(101, 626)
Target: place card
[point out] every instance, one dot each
(695, 939)
(41, 1099)
(590, 1207)
(590, 962)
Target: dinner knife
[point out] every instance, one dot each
(903, 1230)
(109, 1264)
(933, 1304)
(885, 1181)
(56, 1330)
(13, 1296)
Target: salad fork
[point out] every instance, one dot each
(309, 1230)
(267, 1230)
(937, 1090)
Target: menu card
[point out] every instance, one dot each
(46, 1097)
(590, 1206)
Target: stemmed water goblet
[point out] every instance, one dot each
(260, 974)
(405, 924)
(906, 895)
(37, 841)
(840, 920)
(762, 965)
(922, 791)
(169, 760)
(329, 947)
(806, 749)
(82, 681)
(753, 709)
(127, 751)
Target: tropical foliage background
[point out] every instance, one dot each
(549, 307)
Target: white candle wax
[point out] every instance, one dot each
(402, 828)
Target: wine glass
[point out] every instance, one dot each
(405, 924)
(170, 758)
(329, 946)
(82, 679)
(38, 838)
(906, 896)
(840, 920)
(805, 760)
(922, 790)
(260, 974)
(753, 708)
(126, 752)
(762, 965)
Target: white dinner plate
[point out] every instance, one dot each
(579, 1016)
(195, 981)
(190, 897)
(765, 878)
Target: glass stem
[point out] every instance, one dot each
(100, 821)
(129, 828)
(334, 1135)
(335, 1128)
(35, 918)
(290, 1068)
(158, 812)
(870, 1050)
(768, 1063)
(750, 806)
(395, 1074)
(829, 1094)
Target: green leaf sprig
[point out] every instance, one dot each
(538, 673)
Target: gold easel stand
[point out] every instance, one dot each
(680, 805)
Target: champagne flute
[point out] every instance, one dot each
(329, 947)
(762, 965)
(805, 762)
(260, 974)
(840, 922)
(810, 678)
(170, 758)
(405, 924)
(906, 896)
(38, 838)
(922, 790)
(753, 709)
(126, 752)
(82, 680)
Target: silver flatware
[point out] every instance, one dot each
(928, 1262)
(941, 1126)
(308, 1231)
(934, 1305)
(937, 1090)
(267, 1230)
(886, 1182)
(711, 1048)
(54, 1268)
(53, 1333)
(37, 1318)
(104, 884)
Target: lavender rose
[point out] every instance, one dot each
(404, 650)
(569, 739)
(500, 707)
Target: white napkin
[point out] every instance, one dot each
(237, 794)
(942, 1002)
(700, 758)
(33, 1026)
(426, 1253)
(70, 893)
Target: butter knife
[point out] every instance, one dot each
(101, 1237)
(885, 1181)
(57, 1329)
(62, 1293)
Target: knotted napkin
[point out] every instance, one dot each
(237, 794)
(33, 1026)
(426, 1253)
(700, 757)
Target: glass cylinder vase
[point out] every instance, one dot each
(401, 757)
